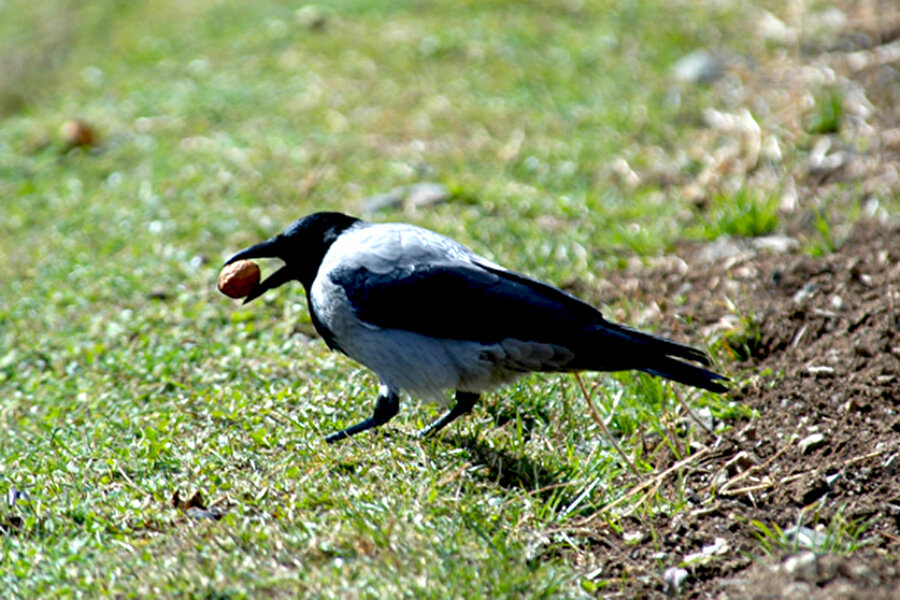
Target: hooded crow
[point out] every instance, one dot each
(427, 315)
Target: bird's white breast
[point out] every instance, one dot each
(404, 360)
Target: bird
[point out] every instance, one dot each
(428, 315)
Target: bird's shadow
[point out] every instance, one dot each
(505, 469)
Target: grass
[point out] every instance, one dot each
(742, 214)
(827, 113)
(839, 535)
(126, 379)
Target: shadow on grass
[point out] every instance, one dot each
(509, 470)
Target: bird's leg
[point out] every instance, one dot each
(464, 403)
(386, 408)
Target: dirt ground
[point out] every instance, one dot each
(821, 461)
(803, 499)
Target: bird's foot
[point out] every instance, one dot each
(464, 403)
(386, 408)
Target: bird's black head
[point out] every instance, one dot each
(301, 246)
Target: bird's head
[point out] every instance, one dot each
(301, 246)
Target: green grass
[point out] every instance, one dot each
(126, 378)
(741, 214)
(838, 535)
(826, 114)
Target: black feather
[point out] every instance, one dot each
(466, 302)
(682, 372)
(485, 304)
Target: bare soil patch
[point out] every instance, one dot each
(803, 499)
(821, 459)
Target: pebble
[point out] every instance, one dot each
(200, 514)
(720, 249)
(805, 537)
(776, 243)
(418, 195)
(633, 537)
(311, 17)
(674, 578)
(805, 292)
(700, 66)
(820, 370)
(811, 443)
(801, 566)
(773, 29)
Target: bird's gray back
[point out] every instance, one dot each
(386, 247)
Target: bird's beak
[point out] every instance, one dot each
(267, 249)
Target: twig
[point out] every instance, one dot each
(758, 467)
(690, 412)
(753, 488)
(453, 475)
(790, 478)
(856, 459)
(649, 494)
(552, 486)
(596, 416)
(592, 534)
(656, 478)
(129, 481)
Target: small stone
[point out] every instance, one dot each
(700, 66)
(378, 202)
(203, 514)
(821, 163)
(828, 565)
(622, 172)
(633, 537)
(773, 29)
(820, 370)
(859, 572)
(805, 292)
(808, 538)
(796, 590)
(717, 548)
(720, 249)
(776, 243)
(801, 566)
(674, 577)
(419, 195)
(311, 17)
(811, 442)
(426, 194)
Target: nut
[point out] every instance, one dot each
(237, 279)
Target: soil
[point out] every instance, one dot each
(801, 498)
(820, 458)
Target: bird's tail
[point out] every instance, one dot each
(660, 344)
(663, 357)
(682, 372)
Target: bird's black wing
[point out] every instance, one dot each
(465, 301)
